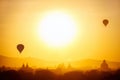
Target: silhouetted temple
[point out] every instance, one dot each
(26, 68)
(104, 66)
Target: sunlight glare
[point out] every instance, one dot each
(57, 29)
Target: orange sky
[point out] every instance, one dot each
(19, 19)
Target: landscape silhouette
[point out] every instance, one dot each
(45, 74)
(25, 72)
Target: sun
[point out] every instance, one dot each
(57, 29)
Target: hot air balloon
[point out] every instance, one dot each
(105, 22)
(20, 47)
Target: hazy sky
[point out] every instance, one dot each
(19, 20)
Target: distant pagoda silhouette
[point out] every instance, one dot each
(104, 66)
(26, 68)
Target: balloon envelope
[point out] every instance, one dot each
(20, 47)
(105, 22)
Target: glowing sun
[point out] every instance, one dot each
(57, 29)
